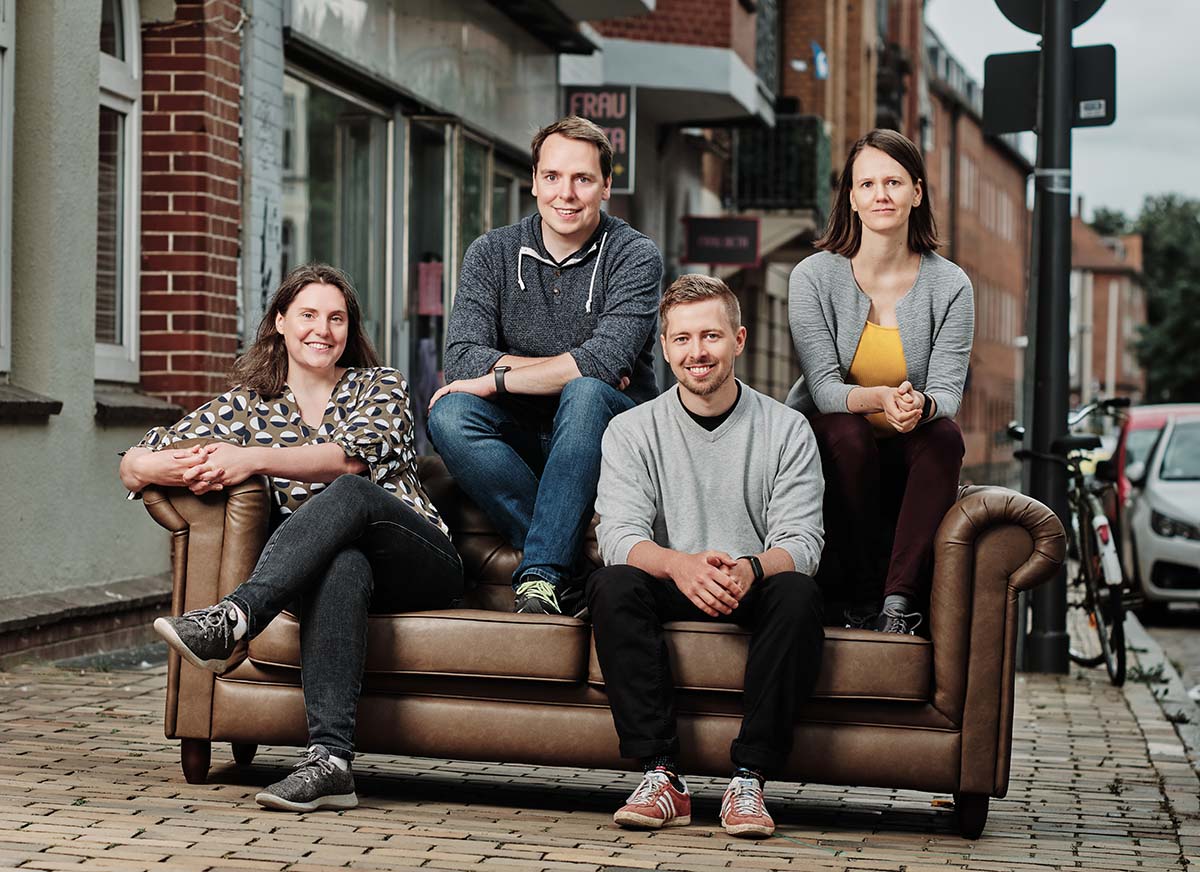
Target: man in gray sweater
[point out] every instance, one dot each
(710, 509)
(552, 334)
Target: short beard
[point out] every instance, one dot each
(705, 390)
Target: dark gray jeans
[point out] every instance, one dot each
(352, 549)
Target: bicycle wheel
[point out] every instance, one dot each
(1098, 632)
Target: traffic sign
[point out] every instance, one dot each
(1027, 14)
(1010, 86)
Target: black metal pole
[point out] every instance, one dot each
(1047, 646)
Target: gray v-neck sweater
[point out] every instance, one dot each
(827, 312)
(751, 484)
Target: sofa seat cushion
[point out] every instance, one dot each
(465, 642)
(856, 664)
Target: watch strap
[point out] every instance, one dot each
(755, 565)
(498, 372)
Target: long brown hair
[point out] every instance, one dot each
(843, 233)
(264, 366)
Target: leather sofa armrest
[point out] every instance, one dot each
(215, 542)
(992, 544)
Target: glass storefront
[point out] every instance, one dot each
(335, 197)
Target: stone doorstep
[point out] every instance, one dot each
(84, 620)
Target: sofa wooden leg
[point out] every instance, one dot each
(243, 753)
(194, 756)
(970, 812)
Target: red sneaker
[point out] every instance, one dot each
(655, 804)
(744, 811)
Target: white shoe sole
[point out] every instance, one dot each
(748, 831)
(163, 627)
(334, 801)
(634, 821)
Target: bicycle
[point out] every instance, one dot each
(1096, 589)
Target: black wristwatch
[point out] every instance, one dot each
(755, 564)
(927, 408)
(499, 372)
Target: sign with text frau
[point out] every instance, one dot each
(612, 108)
(721, 240)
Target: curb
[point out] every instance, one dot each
(1168, 690)
(1157, 699)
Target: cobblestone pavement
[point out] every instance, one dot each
(1100, 782)
(1179, 635)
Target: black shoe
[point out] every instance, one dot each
(203, 637)
(536, 597)
(571, 602)
(861, 617)
(316, 782)
(893, 620)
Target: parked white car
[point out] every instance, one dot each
(1162, 536)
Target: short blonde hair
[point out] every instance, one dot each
(574, 127)
(693, 288)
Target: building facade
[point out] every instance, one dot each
(979, 187)
(1108, 306)
(162, 162)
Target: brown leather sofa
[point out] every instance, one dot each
(479, 683)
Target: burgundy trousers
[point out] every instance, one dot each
(906, 482)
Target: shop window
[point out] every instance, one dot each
(7, 16)
(474, 202)
(335, 192)
(117, 192)
(428, 281)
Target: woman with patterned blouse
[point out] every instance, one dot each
(313, 410)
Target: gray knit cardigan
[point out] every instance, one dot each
(827, 313)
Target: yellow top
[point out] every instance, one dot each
(879, 360)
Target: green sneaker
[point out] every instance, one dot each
(536, 597)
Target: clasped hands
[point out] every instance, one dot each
(211, 467)
(714, 581)
(902, 406)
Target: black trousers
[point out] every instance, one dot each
(629, 608)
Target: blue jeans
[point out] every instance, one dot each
(535, 476)
(351, 549)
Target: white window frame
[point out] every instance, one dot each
(121, 91)
(8, 16)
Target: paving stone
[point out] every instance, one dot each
(1099, 781)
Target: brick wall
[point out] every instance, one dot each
(686, 22)
(988, 237)
(800, 25)
(191, 200)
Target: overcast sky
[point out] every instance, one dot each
(1154, 145)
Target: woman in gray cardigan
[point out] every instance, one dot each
(883, 327)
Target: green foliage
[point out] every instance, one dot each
(1110, 222)
(1170, 228)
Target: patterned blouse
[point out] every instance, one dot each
(368, 416)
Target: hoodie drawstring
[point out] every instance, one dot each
(592, 284)
(526, 251)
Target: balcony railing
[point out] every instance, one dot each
(784, 167)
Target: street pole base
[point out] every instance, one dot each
(1046, 651)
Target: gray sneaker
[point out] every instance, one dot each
(203, 637)
(894, 620)
(316, 782)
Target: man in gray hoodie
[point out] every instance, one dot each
(552, 334)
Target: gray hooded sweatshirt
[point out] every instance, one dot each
(600, 304)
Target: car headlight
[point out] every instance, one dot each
(1169, 527)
